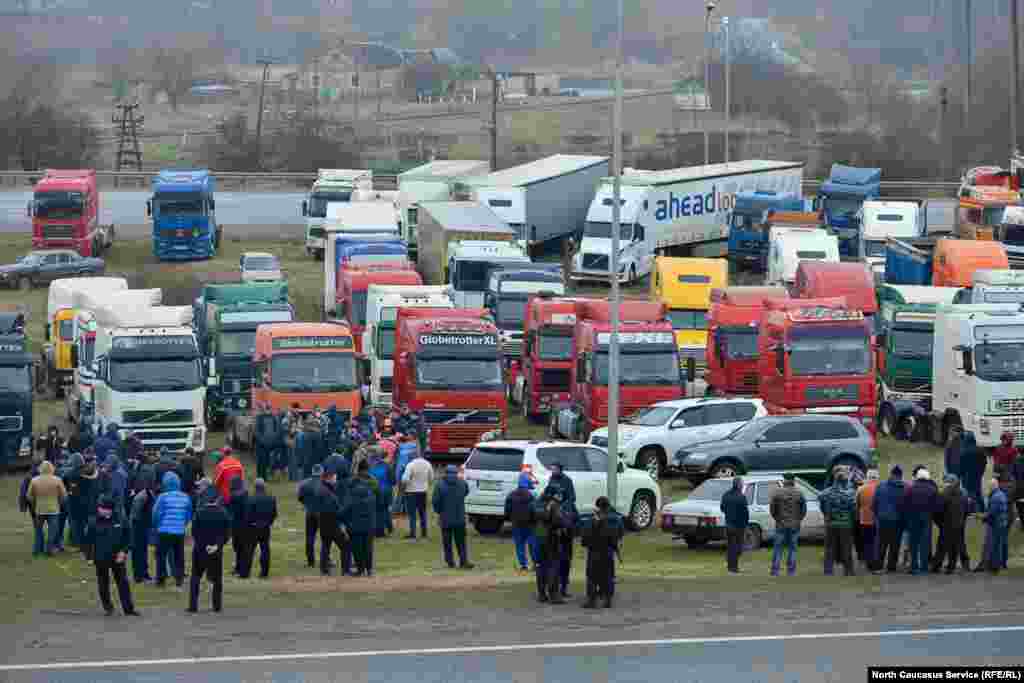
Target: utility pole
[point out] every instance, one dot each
(128, 121)
(613, 267)
(707, 79)
(728, 104)
(1014, 75)
(969, 28)
(944, 142)
(494, 120)
(259, 115)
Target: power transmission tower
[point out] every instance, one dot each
(128, 121)
(259, 116)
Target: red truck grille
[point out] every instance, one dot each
(458, 436)
(749, 381)
(58, 232)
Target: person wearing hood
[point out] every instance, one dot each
(359, 512)
(563, 484)
(46, 494)
(839, 507)
(108, 534)
(550, 527)
(142, 526)
(267, 435)
(88, 493)
(211, 530)
(172, 513)
(260, 515)
(449, 503)
(228, 468)
(952, 517)
(239, 531)
(921, 501)
(972, 468)
(306, 494)
(520, 509)
(601, 539)
(108, 444)
(384, 474)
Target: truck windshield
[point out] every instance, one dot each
(1007, 296)
(319, 201)
(310, 373)
(840, 353)
(687, 319)
(154, 375)
(179, 204)
(471, 276)
(1013, 234)
(842, 207)
(740, 345)
(554, 346)
(511, 312)
(445, 373)
(874, 248)
(15, 379)
(58, 204)
(1000, 362)
(639, 368)
(912, 343)
(238, 343)
(603, 230)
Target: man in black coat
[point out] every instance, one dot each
(268, 430)
(211, 529)
(561, 483)
(328, 510)
(239, 531)
(601, 539)
(306, 493)
(109, 536)
(260, 514)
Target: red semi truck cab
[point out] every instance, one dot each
(448, 365)
(733, 323)
(648, 364)
(353, 283)
(815, 357)
(65, 211)
(853, 281)
(544, 379)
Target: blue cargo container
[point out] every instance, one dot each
(842, 196)
(748, 238)
(182, 207)
(368, 251)
(909, 262)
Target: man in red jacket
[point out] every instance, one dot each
(1004, 454)
(228, 467)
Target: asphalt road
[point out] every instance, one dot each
(264, 214)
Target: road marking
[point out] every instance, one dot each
(488, 649)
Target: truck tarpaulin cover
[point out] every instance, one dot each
(854, 281)
(851, 179)
(64, 292)
(141, 316)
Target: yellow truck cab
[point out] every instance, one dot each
(684, 285)
(60, 338)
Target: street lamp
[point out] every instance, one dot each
(710, 7)
(728, 68)
(613, 267)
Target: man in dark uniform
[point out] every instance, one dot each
(563, 485)
(260, 515)
(307, 493)
(328, 511)
(211, 529)
(550, 530)
(268, 430)
(601, 539)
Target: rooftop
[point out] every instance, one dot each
(537, 171)
(466, 216)
(669, 176)
(445, 170)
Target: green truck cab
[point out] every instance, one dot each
(904, 344)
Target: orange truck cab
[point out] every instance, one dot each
(448, 366)
(309, 365)
(648, 365)
(353, 283)
(853, 281)
(955, 261)
(815, 357)
(547, 354)
(733, 323)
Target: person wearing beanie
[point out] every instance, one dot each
(951, 521)
(109, 537)
(839, 507)
(921, 501)
(306, 493)
(520, 509)
(359, 513)
(260, 515)
(449, 503)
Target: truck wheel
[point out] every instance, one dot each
(887, 420)
(24, 284)
(488, 526)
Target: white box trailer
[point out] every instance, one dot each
(364, 221)
(435, 181)
(678, 212)
(544, 199)
(332, 185)
(787, 247)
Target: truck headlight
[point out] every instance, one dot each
(25, 449)
(197, 438)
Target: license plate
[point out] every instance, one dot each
(459, 450)
(489, 485)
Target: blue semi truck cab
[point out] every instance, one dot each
(842, 196)
(15, 400)
(748, 234)
(184, 223)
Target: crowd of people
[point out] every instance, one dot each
(889, 524)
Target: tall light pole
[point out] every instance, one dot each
(1014, 75)
(259, 115)
(728, 103)
(710, 7)
(613, 266)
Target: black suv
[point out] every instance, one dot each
(802, 443)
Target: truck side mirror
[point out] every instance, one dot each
(149, 208)
(305, 208)
(965, 359)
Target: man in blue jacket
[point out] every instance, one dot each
(736, 509)
(888, 507)
(997, 525)
(449, 502)
(172, 514)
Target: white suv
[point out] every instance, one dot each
(493, 468)
(651, 436)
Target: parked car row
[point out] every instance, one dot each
(40, 268)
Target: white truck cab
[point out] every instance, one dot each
(997, 286)
(382, 304)
(880, 220)
(333, 185)
(470, 263)
(788, 246)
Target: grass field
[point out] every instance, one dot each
(409, 573)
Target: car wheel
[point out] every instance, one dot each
(488, 526)
(753, 538)
(724, 469)
(887, 420)
(641, 512)
(695, 541)
(24, 284)
(650, 460)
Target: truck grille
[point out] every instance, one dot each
(464, 436)
(595, 262)
(848, 392)
(555, 380)
(10, 423)
(56, 232)
(749, 381)
(462, 417)
(908, 383)
(1010, 405)
(157, 416)
(236, 386)
(163, 436)
(386, 383)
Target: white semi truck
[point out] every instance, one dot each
(978, 372)
(787, 247)
(382, 304)
(996, 286)
(882, 220)
(678, 212)
(149, 376)
(333, 185)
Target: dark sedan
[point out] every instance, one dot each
(40, 268)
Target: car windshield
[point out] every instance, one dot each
(58, 204)
(319, 201)
(912, 343)
(238, 343)
(554, 347)
(847, 353)
(842, 207)
(1003, 362)
(154, 375)
(639, 368)
(30, 259)
(15, 379)
(685, 319)
(511, 312)
(874, 248)
(740, 345)
(467, 373)
(261, 263)
(652, 416)
(711, 490)
(1013, 296)
(311, 373)
(603, 230)
(471, 276)
(185, 204)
